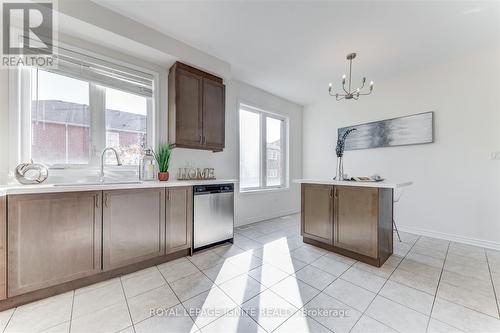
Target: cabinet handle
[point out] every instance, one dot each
(335, 193)
(106, 200)
(204, 140)
(96, 198)
(331, 193)
(201, 139)
(168, 195)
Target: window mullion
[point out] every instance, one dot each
(283, 153)
(98, 121)
(263, 151)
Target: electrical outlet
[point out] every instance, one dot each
(495, 155)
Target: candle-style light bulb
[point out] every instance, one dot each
(343, 79)
(371, 85)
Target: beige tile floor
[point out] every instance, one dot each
(269, 281)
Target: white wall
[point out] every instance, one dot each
(456, 190)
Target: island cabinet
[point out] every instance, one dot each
(353, 221)
(196, 109)
(133, 226)
(52, 239)
(317, 212)
(179, 218)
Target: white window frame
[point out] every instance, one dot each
(285, 125)
(20, 114)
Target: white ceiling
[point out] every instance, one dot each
(293, 49)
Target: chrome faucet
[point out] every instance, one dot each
(118, 161)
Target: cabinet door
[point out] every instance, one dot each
(317, 212)
(133, 226)
(213, 114)
(356, 219)
(52, 238)
(179, 218)
(188, 109)
(3, 247)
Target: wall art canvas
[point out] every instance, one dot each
(407, 130)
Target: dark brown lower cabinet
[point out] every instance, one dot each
(351, 220)
(317, 212)
(3, 247)
(179, 218)
(133, 226)
(356, 219)
(52, 239)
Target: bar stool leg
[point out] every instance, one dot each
(396, 228)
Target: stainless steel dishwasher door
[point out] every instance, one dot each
(213, 218)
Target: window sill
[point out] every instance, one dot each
(265, 190)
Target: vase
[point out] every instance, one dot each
(339, 175)
(163, 176)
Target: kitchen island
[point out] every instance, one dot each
(350, 218)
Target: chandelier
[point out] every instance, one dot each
(348, 93)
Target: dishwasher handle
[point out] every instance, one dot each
(210, 189)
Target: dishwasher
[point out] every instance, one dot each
(213, 215)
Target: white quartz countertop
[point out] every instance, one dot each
(57, 188)
(383, 184)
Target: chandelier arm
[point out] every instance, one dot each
(364, 94)
(350, 74)
(341, 97)
(343, 87)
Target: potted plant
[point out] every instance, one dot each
(162, 156)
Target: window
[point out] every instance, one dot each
(60, 119)
(83, 106)
(263, 161)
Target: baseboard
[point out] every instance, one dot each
(451, 237)
(250, 220)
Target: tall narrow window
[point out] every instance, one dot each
(263, 160)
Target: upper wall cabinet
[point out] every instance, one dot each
(196, 109)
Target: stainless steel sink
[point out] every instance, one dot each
(110, 182)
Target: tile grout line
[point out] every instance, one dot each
(175, 294)
(269, 288)
(320, 292)
(140, 321)
(128, 307)
(492, 283)
(385, 282)
(10, 318)
(437, 287)
(237, 305)
(71, 315)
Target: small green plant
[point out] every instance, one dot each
(162, 156)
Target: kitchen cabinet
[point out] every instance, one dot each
(179, 218)
(3, 247)
(317, 212)
(133, 226)
(52, 239)
(354, 221)
(196, 109)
